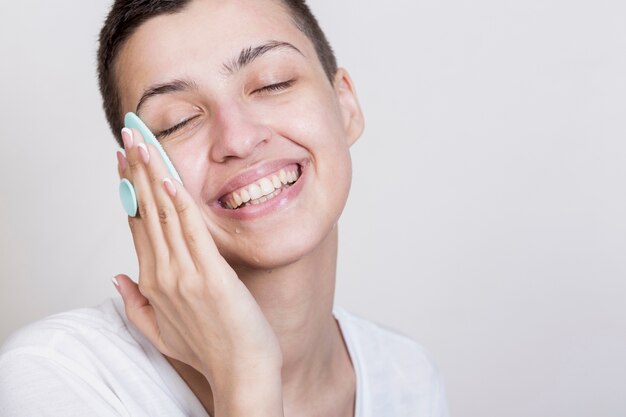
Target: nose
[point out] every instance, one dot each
(236, 133)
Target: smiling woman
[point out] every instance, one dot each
(233, 311)
(485, 216)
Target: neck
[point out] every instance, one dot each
(297, 301)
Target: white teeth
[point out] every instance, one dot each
(261, 191)
(255, 192)
(266, 186)
(245, 197)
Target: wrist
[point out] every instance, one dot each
(256, 393)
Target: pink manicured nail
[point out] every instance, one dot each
(115, 283)
(127, 138)
(143, 152)
(121, 161)
(169, 187)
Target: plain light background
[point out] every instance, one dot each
(487, 215)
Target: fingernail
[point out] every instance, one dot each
(121, 161)
(115, 283)
(143, 152)
(127, 138)
(169, 187)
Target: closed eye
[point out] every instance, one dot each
(174, 128)
(267, 89)
(275, 87)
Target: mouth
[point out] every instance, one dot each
(262, 189)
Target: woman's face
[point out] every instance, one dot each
(238, 98)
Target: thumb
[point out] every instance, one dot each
(138, 308)
(129, 292)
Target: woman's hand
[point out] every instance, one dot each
(189, 302)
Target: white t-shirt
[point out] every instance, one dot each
(93, 362)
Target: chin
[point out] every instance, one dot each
(299, 227)
(277, 250)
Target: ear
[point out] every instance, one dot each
(353, 121)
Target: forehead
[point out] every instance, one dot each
(196, 42)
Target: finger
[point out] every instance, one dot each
(138, 157)
(122, 164)
(143, 248)
(142, 245)
(201, 245)
(168, 217)
(138, 309)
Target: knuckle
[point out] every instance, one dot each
(182, 208)
(145, 208)
(165, 215)
(134, 163)
(192, 237)
(187, 287)
(154, 177)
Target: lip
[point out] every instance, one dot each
(256, 173)
(249, 212)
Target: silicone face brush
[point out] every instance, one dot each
(127, 191)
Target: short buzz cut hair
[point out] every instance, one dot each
(126, 16)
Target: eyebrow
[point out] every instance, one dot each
(246, 57)
(249, 54)
(165, 88)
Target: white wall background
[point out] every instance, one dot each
(488, 213)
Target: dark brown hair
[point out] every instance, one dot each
(127, 15)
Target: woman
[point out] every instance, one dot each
(233, 314)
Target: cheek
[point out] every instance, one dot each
(190, 160)
(313, 122)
